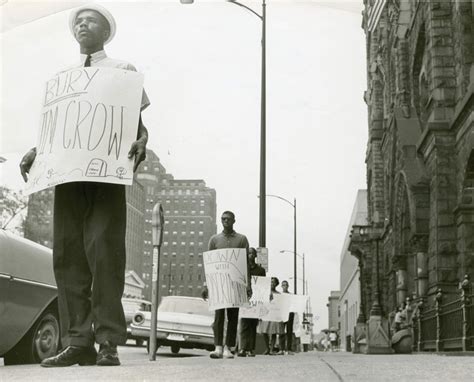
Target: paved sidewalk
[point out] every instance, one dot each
(193, 365)
(398, 367)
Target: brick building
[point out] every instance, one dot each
(420, 165)
(190, 221)
(189, 208)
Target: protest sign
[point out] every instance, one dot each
(297, 303)
(88, 123)
(226, 277)
(260, 298)
(277, 309)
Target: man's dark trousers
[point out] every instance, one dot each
(248, 333)
(89, 252)
(218, 326)
(286, 340)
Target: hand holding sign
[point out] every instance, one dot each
(27, 162)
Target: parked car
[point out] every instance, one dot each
(130, 307)
(183, 322)
(29, 323)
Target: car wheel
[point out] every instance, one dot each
(40, 342)
(139, 342)
(175, 349)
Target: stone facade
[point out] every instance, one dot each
(333, 310)
(349, 301)
(420, 152)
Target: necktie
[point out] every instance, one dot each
(87, 62)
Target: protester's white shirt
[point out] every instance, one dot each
(101, 59)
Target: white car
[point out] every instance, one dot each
(183, 322)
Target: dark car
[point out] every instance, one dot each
(29, 323)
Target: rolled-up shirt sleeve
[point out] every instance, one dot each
(145, 100)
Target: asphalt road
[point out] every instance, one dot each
(312, 366)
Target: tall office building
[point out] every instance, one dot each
(189, 208)
(190, 221)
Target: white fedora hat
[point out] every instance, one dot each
(94, 7)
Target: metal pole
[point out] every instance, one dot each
(305, 289)
(262, 226)
(294, 247)
(157, 237)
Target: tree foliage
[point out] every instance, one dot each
(12, 204)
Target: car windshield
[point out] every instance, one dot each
(185, 305)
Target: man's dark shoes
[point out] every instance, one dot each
(108, 355)
(72, 355)
(242, 353)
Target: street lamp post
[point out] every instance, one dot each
(263, 121)
(305, 288)
(294, 232)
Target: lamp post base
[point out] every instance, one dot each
(378, 337)
(360, 338)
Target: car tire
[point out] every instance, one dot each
(139, 342)
(175, 349)
(40, 342)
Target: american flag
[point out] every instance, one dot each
(374, 13)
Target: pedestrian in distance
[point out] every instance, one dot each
(333, 340)
(248, 326)
(89, 229)
(228, 238)
(270, 329)
(398, 319)
(286, 336)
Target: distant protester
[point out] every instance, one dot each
(248, 326)
(270, 329)
(228, 238)
(286, 336)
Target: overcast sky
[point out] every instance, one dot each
(202, 74)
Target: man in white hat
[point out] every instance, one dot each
(89, 230)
